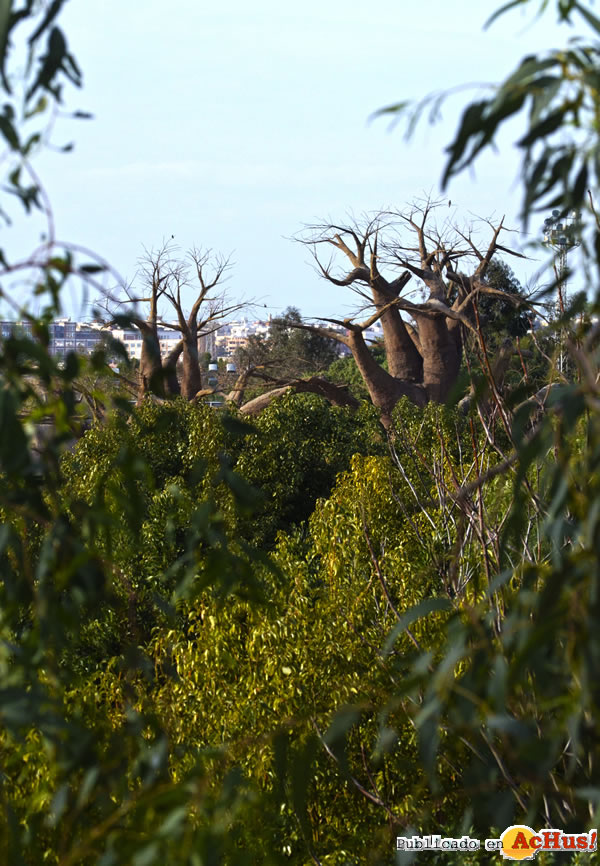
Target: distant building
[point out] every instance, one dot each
(8, 329)
(374, 333)
(65, 336)
(132, 340)
(234, 335)
(84, 337)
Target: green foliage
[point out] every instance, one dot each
(422, 653)
(264, 685)
(32, 87)
(343, 371)
(290, 455)
(306, 350)
(360, 579)
(559, 92)
(499, 318)
(301, 443)
(524, 701)
(288, 351)
(86, 772)
(174, 455)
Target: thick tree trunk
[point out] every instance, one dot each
(150, 378)
(255, 406)
(385, 390)
(403, 358)
(170, 370)
(441, 357)
(338, 395)
(192, 378)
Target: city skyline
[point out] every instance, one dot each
(220, 341)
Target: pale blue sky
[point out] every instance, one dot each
(232, 126)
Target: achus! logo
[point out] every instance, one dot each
(520, 842)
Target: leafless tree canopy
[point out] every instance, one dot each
(193, 289)
(183, 294)
(423, 329)
(421, 277)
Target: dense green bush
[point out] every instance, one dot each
(259, 684)
(422, 654)
(299, 446)
(181, 456)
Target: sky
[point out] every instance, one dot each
(232, 126)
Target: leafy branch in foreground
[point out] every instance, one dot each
(559, 92)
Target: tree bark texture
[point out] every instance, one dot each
(424, 354)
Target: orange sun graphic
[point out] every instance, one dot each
(516, 843)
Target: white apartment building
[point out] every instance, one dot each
(233, 335)
(132, 340)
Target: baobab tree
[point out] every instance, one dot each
(167, 281)
(203, 272)
(424, 330)
(424, 336)
(154, 274)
